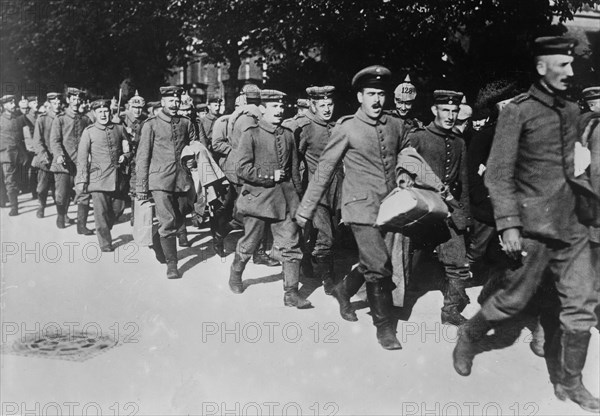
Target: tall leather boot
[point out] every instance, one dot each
(380, 301)
(61, 212)
(455, 300)
(41, 205)
(467, 344)
(182, 238)
(169, 247)
(260, 256)
(573, 352)
(157, 248)
(13, 200)
(291, 279)
(323, 270)
(235, 274)
(537, 339)
(82, 216)
(131, 219)
(344, 291)
(104, 239)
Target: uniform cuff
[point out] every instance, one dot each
(508, 222)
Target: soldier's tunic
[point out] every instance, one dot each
(262, 149)
(371, 153)
(43, 154)
(133, 127)
(312, 135)
(30, 177)
(12, 151)
(530, 176)
(65, 134)
(206, 128)
(411, 123)
(159, 169)
(98, 167)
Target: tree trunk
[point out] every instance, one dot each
(232, 83)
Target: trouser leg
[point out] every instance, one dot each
(103, 218)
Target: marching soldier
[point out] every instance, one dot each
(370, 144)
(404, 98)
(13, 154)
(534, 187)
(312, 133)
(446, 155)
(65, 134)
(43, 152)
(207, 122)
(30, 171)
(160, 172)
(99, 160)
(268, 168)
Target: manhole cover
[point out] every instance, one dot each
(72, 346)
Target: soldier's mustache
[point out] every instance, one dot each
(376, 106)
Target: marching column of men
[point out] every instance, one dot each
(548, 222)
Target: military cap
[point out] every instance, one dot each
(240, 100)
(74, 91)
(6, 99)
(137, 100)
(187, 102)
(171, 91)
(215, 99)
(154, 104)
(464, 110)
(101, 103)
(554, 45)
(375, 76)
(251, 91)
(406, 91)
(591, 93)
(271, 96)
(320, 93)
(447, 97)
(23, 100)
(53, 95)
(302, 103)
(31, 98)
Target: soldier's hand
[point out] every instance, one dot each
(80, 188)
(60, 159)
(405, 180)
(190, 164)
(142, 196)
(300, 220)
(121, 158)
(512, 243)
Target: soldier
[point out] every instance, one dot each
(207, 122)
(99, 160)
(43, 152)
(23, 106)
(30, 171)
(535, 190)
(369, 143)
(302, 107)
(154, 108)
(186, 109)
(268, 168)
(446, 154)
(404, 98)
(13, 154)
(312, 133)
(65, 133)
(159, 171)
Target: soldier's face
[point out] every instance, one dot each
(55, 103)
(594, 105)
(214, 108)
(185, 113)
(74, 101)
(102, 115)
(372, 101)
(136, 112)
(556, 70)
(273, 112)
(323, 108)
(478, 124)
(9, 106)
(170, 105)
(403, 107)
(445, 115)
(23, 107)
(33, 105)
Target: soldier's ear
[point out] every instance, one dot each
(262, 108)
(541, 67)
(359, 96)
(434, 110)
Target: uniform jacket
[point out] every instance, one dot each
(206, 127)
(12, 142)
(158, 159)
(410, 123)
(446, 154)
(589, 128)
(264, 148)
(133, 126)
(221, 145)
(371, 153)
(530, 171)
(65, 134)
(28, 130)
(312, 135)
(477, 156)
(41, 141)
(98, 158)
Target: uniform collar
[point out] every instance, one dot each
(104, 127)
(265, 125)
(163, 116)
(360, 114)
(434, 128)
(69, 112)
(313, 117)
(544, 96)
(211, 116)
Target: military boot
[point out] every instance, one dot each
(13, 200)
(380, 301)
(467, 344)
(104, 239)
(182, 238)
(261, 257)
(344, 291)
(537, 339)
(60, 216)
(157, 248)
(291, 278)
(574, 348)
(41, 206)
(323, 270)
(455, 300)
(237, 269)
(82, 216)
(169, 247)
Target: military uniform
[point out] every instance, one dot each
(446, 155)
(206, 128)
(12, 153)
(98, 168)
(159, 170)
(65, 133)
(30, 171)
